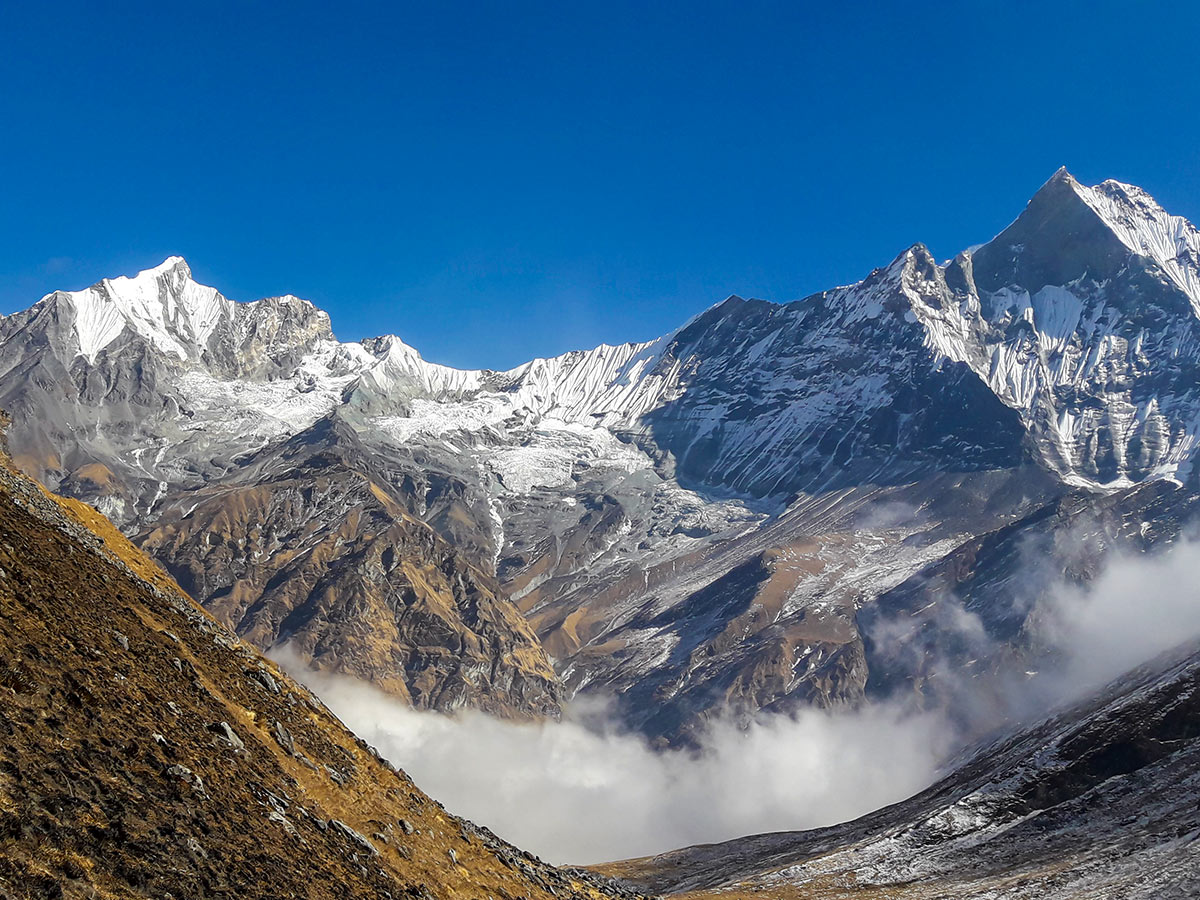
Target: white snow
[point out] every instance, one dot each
(1146, 228)
(163, 305)
(434, 418)
(1070, 343)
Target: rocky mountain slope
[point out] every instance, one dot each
(147, 752)
(318, 552)
(1095, 801)
(699, 524)
(304, 545)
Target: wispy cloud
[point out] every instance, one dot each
(1138, 607)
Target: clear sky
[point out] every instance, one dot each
(495, 181)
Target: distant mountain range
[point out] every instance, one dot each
(729, 519)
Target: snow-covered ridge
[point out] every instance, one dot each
(178, 316)
(1146, 228)
(610, 385)
(1075, 359)
(169, 309)
(196, 327)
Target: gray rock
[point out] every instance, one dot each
(264, 678)
(190, 778)
(280, 819)
(339, 778)
(350, 834)
(283, 737)
(227, 735)
(194, 846)
(306, 762)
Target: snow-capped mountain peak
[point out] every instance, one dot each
(164, 305)
(173, 264)
(1065, 352)
(1068, 224)
(1082, 315)
(1066, 317)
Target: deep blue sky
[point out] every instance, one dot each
(496, 181)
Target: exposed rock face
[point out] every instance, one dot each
(1097, 801)
(141, 752)
(699, 524)
(1082, 315)
(85, 369)
(775, 618)
(831, 392)
(378, 595)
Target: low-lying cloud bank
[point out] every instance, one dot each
(1138, 607)
(582, 791)
(573, 793)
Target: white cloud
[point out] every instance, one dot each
(1137, 608)
(576, 793)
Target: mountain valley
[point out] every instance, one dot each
(150, 753)
(870, 496)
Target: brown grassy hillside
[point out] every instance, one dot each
(146, 752)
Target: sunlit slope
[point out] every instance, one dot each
(146, 752)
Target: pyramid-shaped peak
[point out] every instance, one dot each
(1069, 230)
(1057, 238)
(1061, 174)
(1062, 186)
